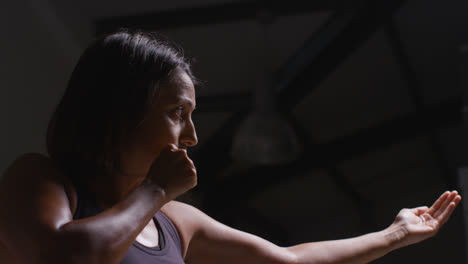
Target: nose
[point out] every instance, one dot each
(189, 135)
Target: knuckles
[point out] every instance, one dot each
(194, 181)
(174, 167)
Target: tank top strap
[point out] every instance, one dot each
(169, 229)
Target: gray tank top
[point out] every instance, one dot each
(169, 251)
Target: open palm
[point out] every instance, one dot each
(422, 222)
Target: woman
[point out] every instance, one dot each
(117, 160)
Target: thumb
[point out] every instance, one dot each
(420, 210)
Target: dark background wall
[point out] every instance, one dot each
(381, 124)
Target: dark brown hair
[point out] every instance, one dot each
(107, 96)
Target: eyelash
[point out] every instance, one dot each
(179, 112)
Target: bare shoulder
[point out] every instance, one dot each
(186, 218)
(30, 158)
(28, 171)
(33, 192)
(179, 209)
(22, 174)
(29, 167)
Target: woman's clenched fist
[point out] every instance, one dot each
(173, 171)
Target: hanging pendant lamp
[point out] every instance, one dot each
(266, 137)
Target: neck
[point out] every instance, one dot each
(115, 187)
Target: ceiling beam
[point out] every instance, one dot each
(224, 193)
(329, 47)
(364, 206)
(416, 93)
(228, 102)
(295, 75)
(212, 14)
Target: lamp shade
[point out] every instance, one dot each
(266, 138)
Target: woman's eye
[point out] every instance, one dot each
(179, 111)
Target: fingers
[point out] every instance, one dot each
(185, 158)
(443, 208)
(174, 148)
(445, 215)
(438, 203)
(171, 148)
(172, 153)
(445, 204)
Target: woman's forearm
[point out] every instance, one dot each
(106, 237)
(358, 250)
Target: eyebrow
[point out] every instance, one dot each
(185, 101)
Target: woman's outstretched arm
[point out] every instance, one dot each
(208, 241)
(410, 226)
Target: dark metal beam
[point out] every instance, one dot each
(329, 47)
(212, 14)
(212, 153)
(320, 156)
(224, 102)
(365, 207)
(342, 37)
(295, 69)
(416, 93)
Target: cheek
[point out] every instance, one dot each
(161, 133)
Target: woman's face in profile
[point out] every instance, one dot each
(169, 119)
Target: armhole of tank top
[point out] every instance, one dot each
(78, 203)
(174, 230)
(73, 197)
(68, 185)
(161, 237)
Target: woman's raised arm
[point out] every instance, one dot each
(36, 222)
